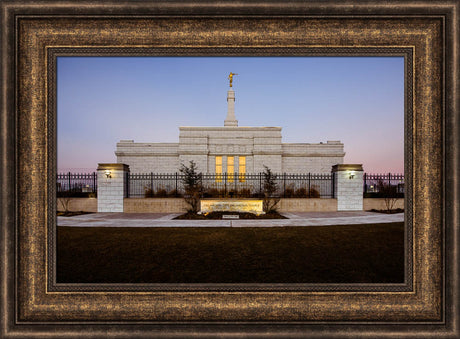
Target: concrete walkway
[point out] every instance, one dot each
(165, 220)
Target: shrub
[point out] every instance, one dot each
(232, 193)
(301, 193)
(289, 191)
(148, 192)
(174, 193)
(75, 194)
(244, 193)
(212, 193)
(257, 195)
(314, 193)
(161, 193)
(64, 200)
(389, 194)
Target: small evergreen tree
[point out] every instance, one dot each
(270, 200)
(193, 186)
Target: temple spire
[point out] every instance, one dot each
(231, 119)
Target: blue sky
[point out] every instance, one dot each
(357, 100)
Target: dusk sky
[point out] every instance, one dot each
(359, 101)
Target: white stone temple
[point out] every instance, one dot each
(232, 149)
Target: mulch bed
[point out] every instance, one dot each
(71, 214)
(394, 211)
(218, 215)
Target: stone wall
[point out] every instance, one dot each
(314, 164)
(307, 205)
(379, 204)
(201, 161)
(155, 205)
(260, 145)
(154, 164)
(177, 205)
(271, 161)
(148, 157)
(79, 204)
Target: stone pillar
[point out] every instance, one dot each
(348, 186)
(231, 119)
(111, 187)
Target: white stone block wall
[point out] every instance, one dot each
(111, 191)
(250, 164)
(348, 187)
(201, 161)
(148, 157)
(314, 165)
(260, 145)
(154, 164)
(271, 161)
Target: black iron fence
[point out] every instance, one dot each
(150, 185)
(76, 184)
(232, 185)
(375, 185)
(229, 185)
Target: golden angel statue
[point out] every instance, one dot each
(230, 77)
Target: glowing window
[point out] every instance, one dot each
(218, 169)
(230, 168)
(242, 169)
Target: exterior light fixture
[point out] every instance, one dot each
(351, 174)
(108, 174)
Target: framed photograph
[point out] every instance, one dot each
(35, 303)
(306, 98)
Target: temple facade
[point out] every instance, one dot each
(231, 149)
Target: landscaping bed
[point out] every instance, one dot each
(393, 211)
(218, 215)
(72, 214)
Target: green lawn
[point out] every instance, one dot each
(322, 254)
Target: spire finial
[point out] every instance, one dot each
(231, 120)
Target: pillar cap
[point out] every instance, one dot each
(347, 167)
(119, 167)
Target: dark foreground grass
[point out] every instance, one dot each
(322, 254)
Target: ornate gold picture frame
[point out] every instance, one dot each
(426, 34)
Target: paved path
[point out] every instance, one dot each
(165, 220)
